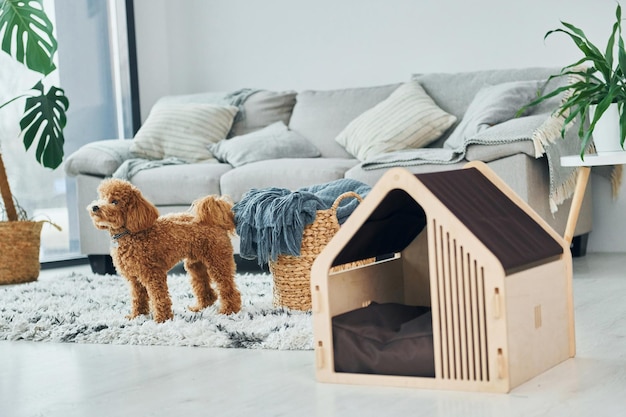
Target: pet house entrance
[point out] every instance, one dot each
(392, 336)
(487, 282)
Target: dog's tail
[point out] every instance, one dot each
(215, 211)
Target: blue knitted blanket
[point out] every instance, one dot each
(271, 221)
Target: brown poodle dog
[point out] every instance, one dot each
(145, 247)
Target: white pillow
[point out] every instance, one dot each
(272, 142)
(182, 130)
(408, 118)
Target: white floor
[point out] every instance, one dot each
(66, 380)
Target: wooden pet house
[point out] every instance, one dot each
(471, 289)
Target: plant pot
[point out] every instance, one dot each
(606, 132)
(19, 251)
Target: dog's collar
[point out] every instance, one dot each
(117, 236)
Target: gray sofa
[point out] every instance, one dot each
(258, 158)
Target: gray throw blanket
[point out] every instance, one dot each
(271, 221)
(131, 167)
(237, 98)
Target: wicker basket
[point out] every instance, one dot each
(292, 274)
(19, 251)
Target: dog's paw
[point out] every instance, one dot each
(136, 313)
(162, 318)
(197, 308)
(229, 310)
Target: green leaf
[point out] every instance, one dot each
(43, 121)
(590, 51)
(541, 98)
(610, 46)
(622, 124)
(621, 54)
(28, 34)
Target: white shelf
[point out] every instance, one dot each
(607, 158)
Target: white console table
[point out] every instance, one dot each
(609, 158)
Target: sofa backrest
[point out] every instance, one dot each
(261, 108)
(321, 115)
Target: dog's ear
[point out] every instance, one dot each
(140, 213)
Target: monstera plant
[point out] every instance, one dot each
(27, 36)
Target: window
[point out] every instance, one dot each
(95, 58)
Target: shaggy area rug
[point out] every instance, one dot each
(85, 308)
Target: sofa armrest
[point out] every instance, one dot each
(100, 158)
(477, 152)
(506, 139)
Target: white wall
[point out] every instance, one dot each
(220, 45)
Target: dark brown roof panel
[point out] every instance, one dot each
(504, 228)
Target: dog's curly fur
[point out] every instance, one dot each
(146, 246)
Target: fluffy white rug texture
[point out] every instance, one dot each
(85, 308)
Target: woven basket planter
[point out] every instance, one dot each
(292, 274)
(19, 251)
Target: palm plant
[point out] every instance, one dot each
(598, 80)
(27, 36)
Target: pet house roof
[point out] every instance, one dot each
(513, 236)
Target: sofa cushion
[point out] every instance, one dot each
(320, 115)
(100, 158)
(492, 105)
(283, 173)
(262, 109)
(184, 183)
(182, 131)
(272, 142)
(408, 118)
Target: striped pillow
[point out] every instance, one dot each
(182, 131)
(408, 118)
